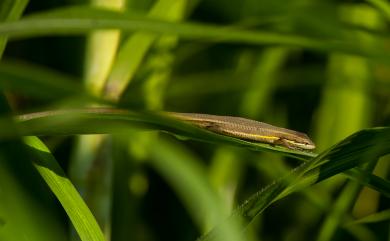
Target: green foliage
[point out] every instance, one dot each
(317, 67)
(66, 193)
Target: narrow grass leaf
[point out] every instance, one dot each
(382, 216)
(104, 120)
(383, 6)
(10, 10)
(75, 207)
(37, 81)
(76, 20)
(135, 48)
(368, 179)
(99, 121)
(184, 173)
(364, 146)
(26, 204)
(101, 49)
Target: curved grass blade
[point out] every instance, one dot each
(106, 120)
(373, 218)
(362, 147)
(76, 20)
(311, 172)
(78, 212)
(370, 180)
(383, 6)
(183, 172)
(10, 10)
(37, 81)
(135, 48)
(100, 120)
(83, 19)
(26, 204)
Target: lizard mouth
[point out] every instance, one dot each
(299, 145)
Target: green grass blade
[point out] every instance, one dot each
(368, 179)
(27, 208)
(135, 48)
(361, 147)
(25, 200)
(77, 210)
(373, 218)
(382, 6)
(101, 50)
(83, 19)
(184, 173)
(364, 146)
(98, 121)
(10, 10)
(38, 81)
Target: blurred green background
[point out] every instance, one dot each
(319, 67)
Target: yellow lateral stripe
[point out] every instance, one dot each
(266, 137)
(258, 136)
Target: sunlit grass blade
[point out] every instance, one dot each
(353, 151)
(135, 48)
(83, 19)
(10, 10)
(101, 50)
(25, 200)
(99, 121)
(382, 6)
(77, 210)
(364, 146)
